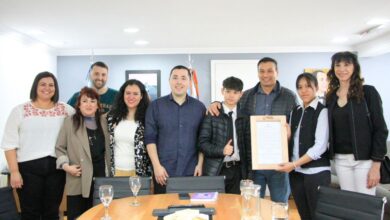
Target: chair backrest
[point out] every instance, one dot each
(7, 204)
(196, 184)
(335, 204)
(121, 187)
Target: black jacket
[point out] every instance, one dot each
(368, 127)
(213, 137)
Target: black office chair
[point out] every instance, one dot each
(7, 204)
(196, 184)
(121, 187)
(336, 204)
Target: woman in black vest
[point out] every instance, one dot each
(309, 165)
(357, 128)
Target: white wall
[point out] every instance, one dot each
(375, 71)
(21, 58)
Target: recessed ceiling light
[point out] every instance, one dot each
(381, 26)
(141, 42)
(371, 30)
(130, 30)
(35, 32)
(55, 43)
(340, 39)
(378, 21)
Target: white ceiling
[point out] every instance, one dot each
(200, 26)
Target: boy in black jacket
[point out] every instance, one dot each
(224, 139)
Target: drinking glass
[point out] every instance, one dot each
(135, 185)
(279, 211)
(245, 188)
(244, 183)
(250, 206)
(106, 193)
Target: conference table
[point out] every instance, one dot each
(227, 206)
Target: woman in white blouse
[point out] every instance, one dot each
(126, 127)
(29, 144)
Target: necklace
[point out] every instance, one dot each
(91, 137)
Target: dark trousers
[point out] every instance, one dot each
(158, 189)
(42, 190)
(77, 205)
(232, 175)
(304, 188)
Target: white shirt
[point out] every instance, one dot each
(32, 131)
(124, 134)
(320, 142)
(236, 154)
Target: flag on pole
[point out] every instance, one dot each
(194, 88)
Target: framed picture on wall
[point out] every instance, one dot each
(150, 78)
(321, 75)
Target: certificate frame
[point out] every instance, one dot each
(257, 163)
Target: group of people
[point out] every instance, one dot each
(103, 132)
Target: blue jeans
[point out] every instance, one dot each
(278, 184)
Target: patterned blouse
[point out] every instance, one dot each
(142, 161)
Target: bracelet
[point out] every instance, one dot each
(294, 165)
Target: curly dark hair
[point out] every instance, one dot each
(356, 84)
(119, 109)
(78, 117)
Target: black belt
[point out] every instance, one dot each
(231, 163)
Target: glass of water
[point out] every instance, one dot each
(279, 211)
(250, 205)
(246, 190)
(106, 194)
(135, 185)
(245, 183)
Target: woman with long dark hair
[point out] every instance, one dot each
(29, 143)
(82, 151)
(126, 127)
(357, 128)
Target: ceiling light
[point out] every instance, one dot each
(35, 32)
(381, 26)
(340, 40)
(130, 30)
(141, 42)
(55, 43)
(371, 30)
(378, 21)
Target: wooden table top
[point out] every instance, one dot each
(227, 206)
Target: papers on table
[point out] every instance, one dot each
(187, 214)
(204, 197)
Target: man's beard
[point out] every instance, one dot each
(98, 85)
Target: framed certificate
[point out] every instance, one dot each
(269, 141)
